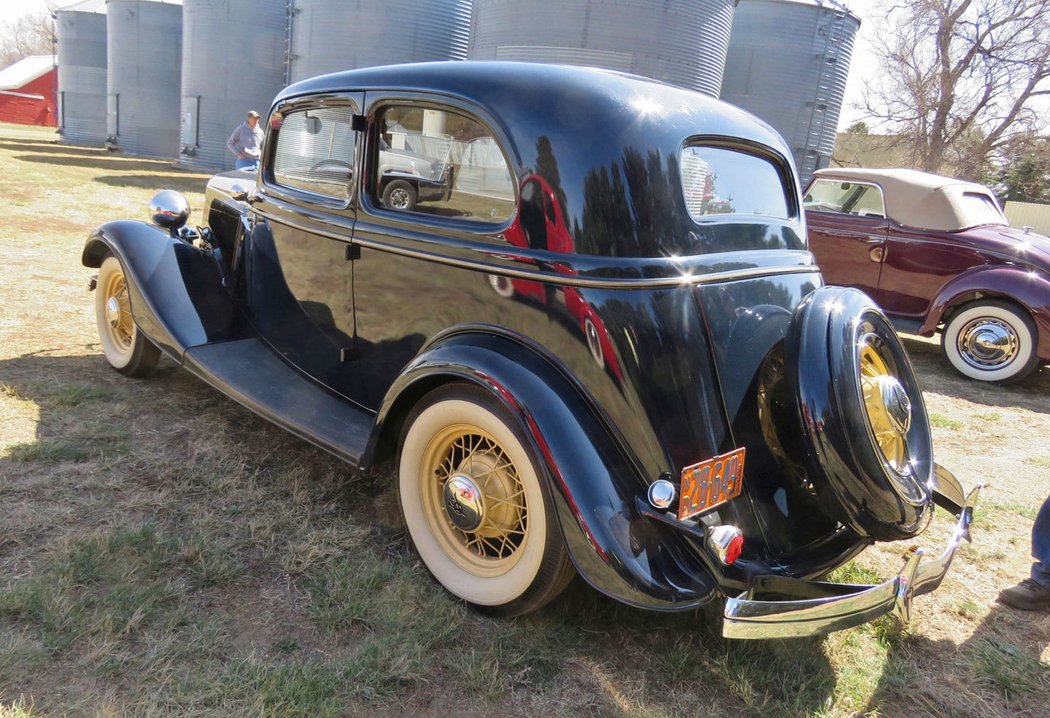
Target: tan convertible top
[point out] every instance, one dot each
(920, 199)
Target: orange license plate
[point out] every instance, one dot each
(710, 483)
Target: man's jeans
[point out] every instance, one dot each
(247, 163)
(1041, 546)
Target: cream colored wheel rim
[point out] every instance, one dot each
(496, 561)
(495, 544)
(116, 326)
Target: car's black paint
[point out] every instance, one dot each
(177, 293)
(630, 341)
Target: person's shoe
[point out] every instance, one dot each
(1027, 596)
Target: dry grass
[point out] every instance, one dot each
(164, 552)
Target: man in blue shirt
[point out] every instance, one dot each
(246, 143)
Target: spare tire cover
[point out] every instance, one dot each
(862, 413)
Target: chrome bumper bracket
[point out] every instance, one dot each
(782, 607)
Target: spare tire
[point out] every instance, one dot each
(862, 413)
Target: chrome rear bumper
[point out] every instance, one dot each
(782, 607)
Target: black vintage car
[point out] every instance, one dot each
(602, 348)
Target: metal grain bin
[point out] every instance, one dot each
(331, 35)
(682, 42)
(144, 53)
(788, 63)
(234, 59)
(80, 31)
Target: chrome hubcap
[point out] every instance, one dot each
(987, 342)
(463, 502)
(113, 312)
(399, 198)
(898, 405)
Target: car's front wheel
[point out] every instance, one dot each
(475, 505)
(991, 341)
(124, 346)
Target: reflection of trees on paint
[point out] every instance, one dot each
(637, 209)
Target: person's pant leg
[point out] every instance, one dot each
(1041, 546)
(246, 163)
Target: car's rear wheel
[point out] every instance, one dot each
(124, 346)
(870, 454)
(991, 341)
(475, 505)
(399, 194)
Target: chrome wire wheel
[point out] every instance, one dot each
(474, 504)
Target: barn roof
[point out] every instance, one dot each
(24, 71)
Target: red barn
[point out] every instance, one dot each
(27, 91)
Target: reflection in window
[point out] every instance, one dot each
(315, 152)
(441, 163)
(717, 181)
(827, 195)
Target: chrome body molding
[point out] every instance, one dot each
(782, 607)
(341, 232)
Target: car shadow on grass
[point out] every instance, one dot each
(990, 674)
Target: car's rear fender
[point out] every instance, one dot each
(176, 290)
(593, 483)
(1029, 289)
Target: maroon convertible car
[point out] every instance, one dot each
(937, 255)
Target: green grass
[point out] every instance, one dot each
(1042, 462)
(944, 422)
(1007, 668)
(102, 445)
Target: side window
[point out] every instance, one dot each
(315, 152)
(440, 163)
(827, 195)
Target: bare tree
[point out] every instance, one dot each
(959, 78)
(26, 35)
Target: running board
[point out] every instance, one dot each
(251, 374)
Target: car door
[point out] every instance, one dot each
(300, 277)
(847, 227)
(409, 282)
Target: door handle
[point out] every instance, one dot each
(874, 240)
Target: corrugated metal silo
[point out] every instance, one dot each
(80, 31)
(144, 53)
(682, 42)
(331, 35)
(795, 83)
(234, 59)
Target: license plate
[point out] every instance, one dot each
(711, 483)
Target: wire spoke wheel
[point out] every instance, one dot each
(125, 348)
(475, 504)
(887, 406)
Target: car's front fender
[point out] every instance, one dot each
(594, 484)
(176, 291)
(1028, 288)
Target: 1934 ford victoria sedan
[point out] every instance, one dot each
(601, 348)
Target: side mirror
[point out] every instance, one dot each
(169, 209)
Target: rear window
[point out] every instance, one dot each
(718, 181)
(981, 209)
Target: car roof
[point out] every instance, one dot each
(918, 199)
(569, 103)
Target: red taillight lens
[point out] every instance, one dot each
(736, 545)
